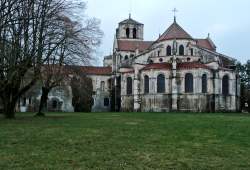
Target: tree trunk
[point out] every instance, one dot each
(9, 108)
(43, 102)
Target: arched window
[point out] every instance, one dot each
(204, 83)
(225, 85)
(169, 50)
(127, 32)
(126, 57)
(189, 83)
(161, 83)
(134, 33)
(146, 84)
(129, 86)
(181, 50)
(102, 86)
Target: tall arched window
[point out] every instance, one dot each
(126, 57)
(225, 85)
(204, 83)
(146, 84)
(161, 83)
(181, 50)
(169, 50)
(129, 86)
(189, 83)
(127, 32)
(134, 33)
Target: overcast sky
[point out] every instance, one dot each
(227, 21)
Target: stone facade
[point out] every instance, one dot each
(173, 56)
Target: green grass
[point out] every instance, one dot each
(125, 141)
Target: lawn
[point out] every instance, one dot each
(125, 141)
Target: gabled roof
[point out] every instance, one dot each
(126, 45)
(175, 31)
(130, 21)
(205, 43)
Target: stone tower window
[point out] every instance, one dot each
(134, 33)
(225, 85)
(204, 83)
(169, 50)
(127, 32)
(129, 86)
(189, 83)
(126, 57)
(146, 84)
(181, 50)
(161, 83)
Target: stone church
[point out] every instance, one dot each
(175, 72)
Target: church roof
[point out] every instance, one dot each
(126, 45)
(168, 66)
(96, 70)
(175, 31)
(165, 66)
(205, 43)
(130, 21)
(191, 65)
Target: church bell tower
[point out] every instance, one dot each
(130, 29)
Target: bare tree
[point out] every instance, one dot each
(26, 28)
(80, 41)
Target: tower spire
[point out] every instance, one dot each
(129, 15)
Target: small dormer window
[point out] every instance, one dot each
(134, 33)
(127, 32)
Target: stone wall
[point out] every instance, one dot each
(127, 103)
(156, 103)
